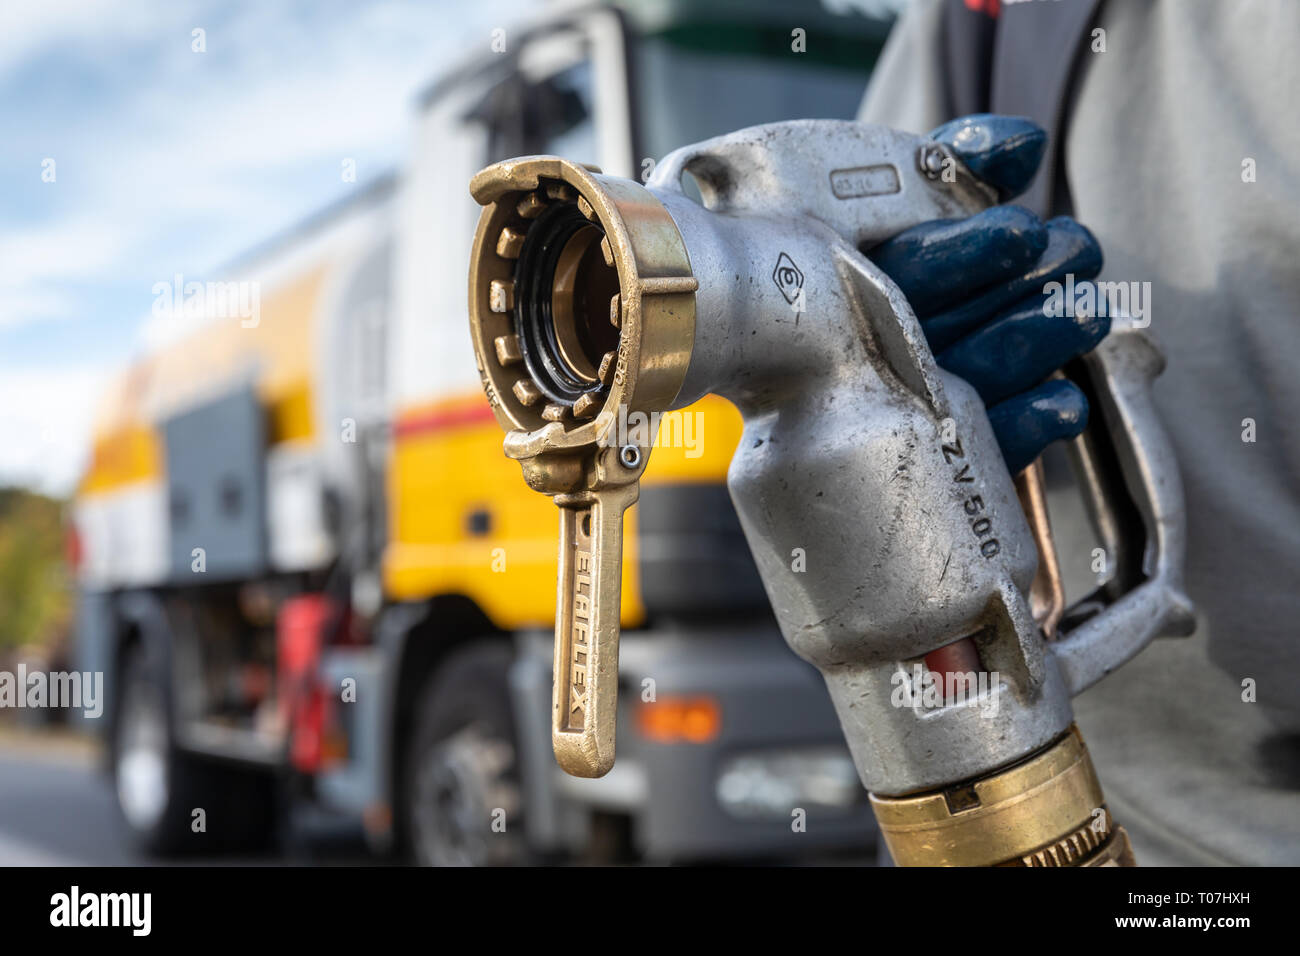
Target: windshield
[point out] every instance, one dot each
(684, 92)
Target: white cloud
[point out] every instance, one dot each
(46, 417)
(39, 261)
(21, 303)
(29, 29)
(194, 166)
(175, 162)
(77, 248)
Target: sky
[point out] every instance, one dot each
(130, 155)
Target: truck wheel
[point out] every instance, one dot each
(158, 787)
(462, 796)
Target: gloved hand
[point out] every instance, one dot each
(977, 286)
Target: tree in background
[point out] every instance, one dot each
(35, 592)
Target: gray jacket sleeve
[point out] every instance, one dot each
(907, 89)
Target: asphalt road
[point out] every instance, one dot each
(57, 809)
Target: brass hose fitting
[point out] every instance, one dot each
(585, 303)
(582, 304)
(1046, 811)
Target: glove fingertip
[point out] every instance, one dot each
(1079, 245)
(1093, 324)
(1003, 151)
(1028, 423)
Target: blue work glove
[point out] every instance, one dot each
(977, 286)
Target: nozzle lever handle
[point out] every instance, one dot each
(585, 693)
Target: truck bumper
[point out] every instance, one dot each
(772, 779)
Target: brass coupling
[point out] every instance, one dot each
(581, 299)
(582, 311)
(1045, 811)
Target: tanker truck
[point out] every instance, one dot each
(311, 578)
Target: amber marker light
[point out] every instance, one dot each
(672, 720)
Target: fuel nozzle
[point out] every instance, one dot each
(859, 453)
